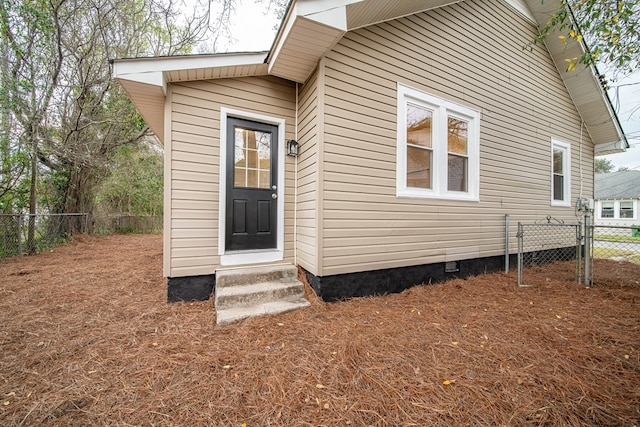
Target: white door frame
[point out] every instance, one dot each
(261, 255)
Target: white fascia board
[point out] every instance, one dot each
(610, 148)
(311, 7)
(336, 18)
(332, 13)
(187, 62)
(521, 7)
(123, 70)
(282, 36)
(152, 78)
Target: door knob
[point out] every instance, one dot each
(274, 196)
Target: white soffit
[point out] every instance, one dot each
(298, 51)
(149, 101)
(368, 12)
(583, 86)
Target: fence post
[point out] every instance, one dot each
(20, 234)
(506, 243)
(587, 248)
(579, 245)
(520, 237)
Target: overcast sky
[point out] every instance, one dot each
(626, 101)
(253, 31)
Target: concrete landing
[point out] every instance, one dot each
(257, 291)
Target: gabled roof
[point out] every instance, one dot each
(617, 185)
(312, 27)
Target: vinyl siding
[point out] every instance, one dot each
(307, 244)
(194, 164)
(454, 53)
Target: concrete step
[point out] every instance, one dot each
(256, 293)
(230, 315)
(248, 275)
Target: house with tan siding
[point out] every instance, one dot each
(377, 145)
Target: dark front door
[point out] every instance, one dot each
(252, 176)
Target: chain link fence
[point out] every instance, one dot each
(545, 243)
(618, 243)
(128, 224)
(22, 234)
(30, 234)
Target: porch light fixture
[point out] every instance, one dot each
(292, 148)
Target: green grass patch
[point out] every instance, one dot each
(617, 238)
(617, 253)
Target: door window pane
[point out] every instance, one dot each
(252, 155)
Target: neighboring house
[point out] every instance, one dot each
(420, 125)
(617, 198)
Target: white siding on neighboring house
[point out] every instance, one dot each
(620, 212)
(454, 53)
(192, 240)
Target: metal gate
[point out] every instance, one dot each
(545, 243)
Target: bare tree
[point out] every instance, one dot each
(60, 107)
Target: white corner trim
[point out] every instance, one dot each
(168, 184)
(250, 257)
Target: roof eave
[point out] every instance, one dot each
(310, 28)
(145, 79)
(584, 87)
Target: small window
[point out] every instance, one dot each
(626, 210)
(560, 173)
(438, 147)
(607, 210)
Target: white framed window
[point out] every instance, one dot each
(626, 209)
(606, 210)
(560, 173)
(438, 147)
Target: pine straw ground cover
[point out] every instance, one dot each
(86, 338)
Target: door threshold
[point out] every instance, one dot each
(255, 256)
